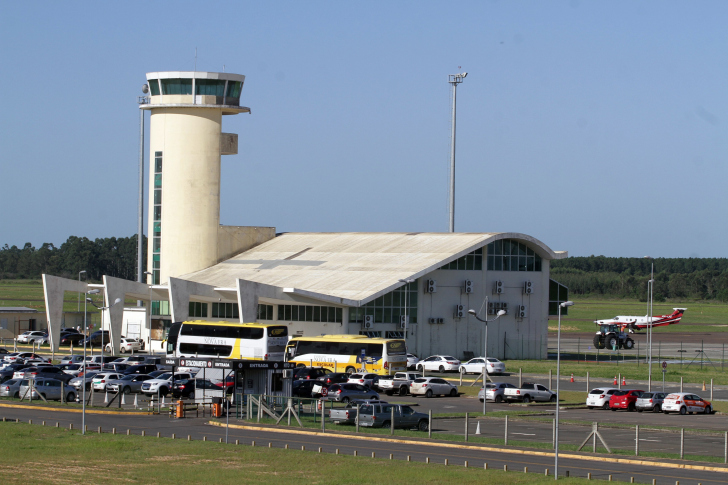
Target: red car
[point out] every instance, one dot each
(624, 399)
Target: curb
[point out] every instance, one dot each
(611, 458)
(72, 410)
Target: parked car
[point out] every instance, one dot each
(399, 383)
(50, 389)
(441, 363)
(9, 371)
(126, 345)
(71, 369)
(432, 386)
(304, 388)
(140, 369)
(650, 401)
(72, 359)
(624, 399)
(475, 366)
(3, 351)
(363, 379)
(20, 374)
(101, 379)
(157, 373)
(185, 388)
(47, 372)
(115, 367)
(326, 381)
(163, 383)
(380, 416)
(30, 336)
(683, 403)
(347, 414)
(86, 379)
(310, 373)
(26, 357)
(72, 338)
(529, 392)
(132, 360)
(599, 397)
(10, 388)
(128, 383)
(495, 391)
(347, 392)
(100, 359)
(412, 360)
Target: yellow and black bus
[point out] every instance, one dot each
(349, 353)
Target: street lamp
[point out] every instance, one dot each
(651, 292)
(453, 79)
(79, 293)
(406, 300)
(149, 320)
(485, 352)
(558, 378)
(85, 364)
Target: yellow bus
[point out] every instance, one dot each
(253, 341)
(349, 353)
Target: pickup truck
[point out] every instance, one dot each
(529, 392)
(347, 414)
(400, 383)
(380, 416)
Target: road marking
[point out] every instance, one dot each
(526, 434)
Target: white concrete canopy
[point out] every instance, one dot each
(54, 288)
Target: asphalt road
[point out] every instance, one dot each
(418, 452)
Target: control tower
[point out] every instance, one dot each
(186, 145)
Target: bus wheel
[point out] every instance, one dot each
(350, 370)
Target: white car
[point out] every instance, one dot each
(27, 357)
(30, 336)
(363, 379)
(72, 359)
(684, 402)
(163, 383)
(475, 366)
(432, 386)
(441, 363)
(126, 345)
(599, 397)
(412, 360)
(101, 379)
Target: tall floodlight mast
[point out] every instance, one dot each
(454, 80)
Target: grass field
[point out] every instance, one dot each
(701, 316)
(35, 454)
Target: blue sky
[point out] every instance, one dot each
(596, 127)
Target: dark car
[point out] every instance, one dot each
(47, 372)
(96, 338)
(71, 338)
(140, 369)
(158, 373)
(115, 367)
(334, 378)
(310, 373)
(3, 351)
(70, 330)
(303, 387)
(7, 373)
(185, 388)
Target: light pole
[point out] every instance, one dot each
(102, 308)
(79, 293)
(406, 300)
(453, 79)
(149, 320)
(142, 100)
(558, 378)
(651, 292)
(485, 351)
(86, 299)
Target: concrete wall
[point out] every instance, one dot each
(189, 139)
(233, 240)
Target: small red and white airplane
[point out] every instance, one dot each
(640, 323)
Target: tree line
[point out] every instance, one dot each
(675, 278)
(103, 256)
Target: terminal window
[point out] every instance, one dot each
(198, 309)
(310, 313)
(389, 308)
(511, 255)
(225, 310)
(265, 312)
(472, 261)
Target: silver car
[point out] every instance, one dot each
(10, 388)
(347, 392)
(650, 401)
(50, 389)
(128, 383)
(77, 382)
(494, 391)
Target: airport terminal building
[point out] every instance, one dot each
(419, 286)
